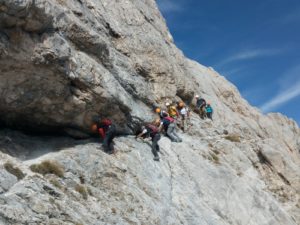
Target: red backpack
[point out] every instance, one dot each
(106, 122)
(153, 129)
(170, 119)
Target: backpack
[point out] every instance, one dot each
(201, 102)
(172, 111)
(106, 122)
(208, 109)
(153, 129)
(170, 119)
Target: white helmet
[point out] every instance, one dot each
(197, 96)
(167, 104)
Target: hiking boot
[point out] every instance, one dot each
(156, 158)
(110, 152)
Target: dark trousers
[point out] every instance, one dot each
(209, 115)
(202, 112)
(109, 136)
(155, 146)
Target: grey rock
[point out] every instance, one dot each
(7, 180)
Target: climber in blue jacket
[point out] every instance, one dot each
(209, 110)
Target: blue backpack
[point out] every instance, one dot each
(208, 109)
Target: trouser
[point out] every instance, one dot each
(155, 146)
(183, 122)
(172, 134)
(109, 136)
(202, 112)
(209, 115)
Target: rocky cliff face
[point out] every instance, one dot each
(64, 61)
(61, 62)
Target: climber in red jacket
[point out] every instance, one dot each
(107, 132)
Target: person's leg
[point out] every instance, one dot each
(108, 140)
(183, 123)
(155, 147)
(202, 112)
(170, 132)
(178, 139)
(106, 143)
(180, 123)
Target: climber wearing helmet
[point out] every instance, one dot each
(161, 113)
(152, 131)
(169, 125)
(107, 131)
(200, 104)
(172, 111)
(209, 110)
(184, 115)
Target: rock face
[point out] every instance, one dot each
(62, 62)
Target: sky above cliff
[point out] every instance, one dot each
(254, 44)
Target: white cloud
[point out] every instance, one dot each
(289, 91)
(249, 54)
(231, 72)
(169, 6)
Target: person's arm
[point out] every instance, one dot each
(142, 133)
(160, 126)
(101, 132)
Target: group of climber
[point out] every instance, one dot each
(174, 114)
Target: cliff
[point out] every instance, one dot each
(64, 61)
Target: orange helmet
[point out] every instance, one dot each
(94, 128)
(157, 110)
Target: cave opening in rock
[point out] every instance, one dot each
(31, 144)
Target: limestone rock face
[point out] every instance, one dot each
(64, 61)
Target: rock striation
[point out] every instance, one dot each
(64, 61)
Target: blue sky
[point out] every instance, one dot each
(254, 44)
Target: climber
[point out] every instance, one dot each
(161, 113)
(184, 115)
(107, 131)
(172, 111)
(200, 104)
(209, 110)
(151, 130)
(168, 124)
